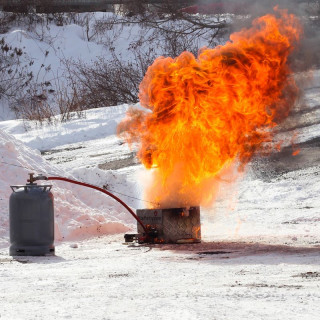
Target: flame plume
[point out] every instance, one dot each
(204, 114)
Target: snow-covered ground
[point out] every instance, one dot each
(260, 254)
(103, 279)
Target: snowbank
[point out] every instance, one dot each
(95, 124)
(76, 216)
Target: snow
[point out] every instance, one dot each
(259, 258)
(49, 45)
(103, 279)
(96, 123)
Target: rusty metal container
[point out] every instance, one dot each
(174, 225)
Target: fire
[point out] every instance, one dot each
(207, 114)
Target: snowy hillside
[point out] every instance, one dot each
(50, 49)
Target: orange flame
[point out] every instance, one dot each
(204, 114)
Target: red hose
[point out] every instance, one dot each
(104, 191)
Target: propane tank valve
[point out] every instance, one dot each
(32, 178)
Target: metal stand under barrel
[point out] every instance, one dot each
(31, 220)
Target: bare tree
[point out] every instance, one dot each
(109, 82)
(170, 19)
(164, 30)
(14, 74)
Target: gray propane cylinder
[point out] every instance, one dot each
(31, 216)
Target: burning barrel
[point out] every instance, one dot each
(173, 225)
